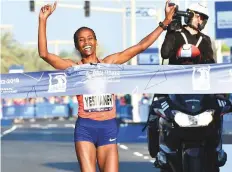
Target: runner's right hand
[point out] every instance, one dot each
(47, 10)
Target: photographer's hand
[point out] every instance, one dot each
(169, 12)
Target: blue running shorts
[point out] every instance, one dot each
(97, 132)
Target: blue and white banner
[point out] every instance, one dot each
(148, 57)
(223, 12)
(119, 79)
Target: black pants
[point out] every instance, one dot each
(153, 137)
(153, 129)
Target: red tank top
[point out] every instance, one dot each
(97, 107)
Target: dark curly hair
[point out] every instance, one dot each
(78, 31)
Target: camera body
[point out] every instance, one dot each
(176, 23)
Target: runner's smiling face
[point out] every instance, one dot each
(86, 43)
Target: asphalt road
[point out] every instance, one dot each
(48, 147)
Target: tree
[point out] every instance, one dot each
(70, 55)
(14, 53)
(9, 51)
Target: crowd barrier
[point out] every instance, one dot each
(35, 111)
(47, 110)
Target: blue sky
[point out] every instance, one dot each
(64, 22)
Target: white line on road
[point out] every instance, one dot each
(123, 147)
(69, 125)
(145, 157)
(8, 131)
(35, 125)
(227, 133)
(138, 154)
(52, 125)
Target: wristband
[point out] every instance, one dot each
(161, 24)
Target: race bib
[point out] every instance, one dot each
(98, 103)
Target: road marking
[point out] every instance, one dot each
(123, 147)
(145, 157)
(227, 133)
(52, 125)
(69, 125)
(137, 154)
(35, 125)
(8, 131)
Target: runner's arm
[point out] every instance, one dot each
(54, 60)
(126, 55)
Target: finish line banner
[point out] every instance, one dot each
(119, 79)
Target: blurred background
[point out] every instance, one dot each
(116, 28)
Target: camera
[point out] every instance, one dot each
(176, 23)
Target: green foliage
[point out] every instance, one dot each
(225, 48)
(65, 54)
(70, 55)
(13, 53)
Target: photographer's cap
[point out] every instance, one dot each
(199, 8)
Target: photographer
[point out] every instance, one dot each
(178, 36)
(183, 45)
